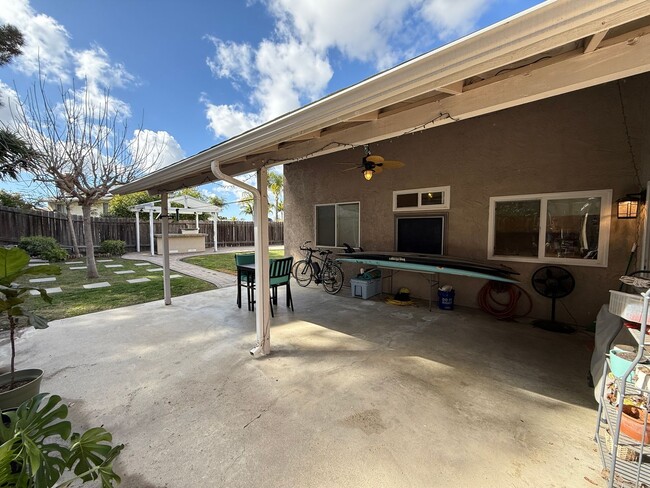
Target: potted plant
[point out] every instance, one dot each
(18, 386)
(37, 448)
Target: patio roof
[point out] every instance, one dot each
(554, 48)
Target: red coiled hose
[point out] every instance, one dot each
(487, 299)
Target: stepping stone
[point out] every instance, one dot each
(175, 276)
(37, 260)
(78, 267)
(143, 264)
(42, 280)
(114, 265)
(102, 284)
(75, 262)
(138, 280)
(104, 260)
(48, 290)
(31, 265)
(124, 271)
(154, 269)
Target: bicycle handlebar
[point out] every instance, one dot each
(304, 247)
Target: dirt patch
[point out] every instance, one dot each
(369, 421)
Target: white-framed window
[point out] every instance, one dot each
(421, 199)
(337, 223)
(569, 228)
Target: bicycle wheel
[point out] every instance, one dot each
(332, 279)
(302, 272)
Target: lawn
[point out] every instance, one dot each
(77, 300)
(225, 262)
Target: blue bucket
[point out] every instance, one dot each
(446, 299)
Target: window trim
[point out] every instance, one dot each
(603, 231)
(445, 190)
(336, 230)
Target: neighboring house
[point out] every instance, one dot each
(517, 140)
(99, 209)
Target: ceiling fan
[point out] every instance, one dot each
(372, 164)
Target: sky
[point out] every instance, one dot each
(187, 75)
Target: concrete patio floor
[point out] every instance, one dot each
(357, 393)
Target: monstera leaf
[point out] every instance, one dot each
(35, 452)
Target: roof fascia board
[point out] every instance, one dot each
(535, 31)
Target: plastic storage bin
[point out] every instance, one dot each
(365, 288)
(627, 305)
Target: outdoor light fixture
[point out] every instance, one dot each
(628, 206)
(367, 174)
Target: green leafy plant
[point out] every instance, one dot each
(37, 448)
(13, 265)
(114, 248)
(43, 247)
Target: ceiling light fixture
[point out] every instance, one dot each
(367, 174)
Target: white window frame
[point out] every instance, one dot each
(445, 190)
(603, 230)
(336, 227)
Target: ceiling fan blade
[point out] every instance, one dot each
(378, 169)
(348, 163)
(373, 158)
(351, 169)
(392, 164)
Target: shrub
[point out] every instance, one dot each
(43, 247)
(114, 248)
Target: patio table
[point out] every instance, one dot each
(248, 271)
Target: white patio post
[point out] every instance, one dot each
(151, 237)
(137, 231)
(196, 219)
(261, 233)
(260, 211)
(164, 215)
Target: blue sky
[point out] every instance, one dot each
(198, 72)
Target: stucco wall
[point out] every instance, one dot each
(573, 142)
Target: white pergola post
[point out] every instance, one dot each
(196, 219)
(151, 236)
(137, 231)
(215, 218)
(164, 216)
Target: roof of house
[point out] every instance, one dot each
(554, 48)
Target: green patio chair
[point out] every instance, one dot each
(280, 275)
(244, 278)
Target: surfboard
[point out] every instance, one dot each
(425, 268)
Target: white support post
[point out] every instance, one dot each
(151, 236)
(164, 216)
(261, 233)
(196, 219)
(215, 218)
(262, 286)
(137, 231)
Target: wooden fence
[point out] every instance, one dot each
(16, 223)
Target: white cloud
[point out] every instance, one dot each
(360, 30)
(94, 66)
(453, 18)
(8, 102)
(46, 41)
(157, 148)
(282, 76)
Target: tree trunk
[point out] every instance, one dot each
(73, 234)
(90, 245)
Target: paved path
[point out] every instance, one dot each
(217, 278)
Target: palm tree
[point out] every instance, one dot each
(276, 185)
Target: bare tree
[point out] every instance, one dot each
(83, 146)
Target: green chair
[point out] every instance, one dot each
(280, 275)
(244, 278)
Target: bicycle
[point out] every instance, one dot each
(308, 269)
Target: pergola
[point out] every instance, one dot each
(551, 49)
(188, 206)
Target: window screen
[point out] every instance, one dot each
(325, 225)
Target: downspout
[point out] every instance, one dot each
(261, 235)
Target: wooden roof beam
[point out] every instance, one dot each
(453, 88)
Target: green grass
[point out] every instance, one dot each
(77, 300)
(225, 262)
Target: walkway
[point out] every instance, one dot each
(217, 278)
